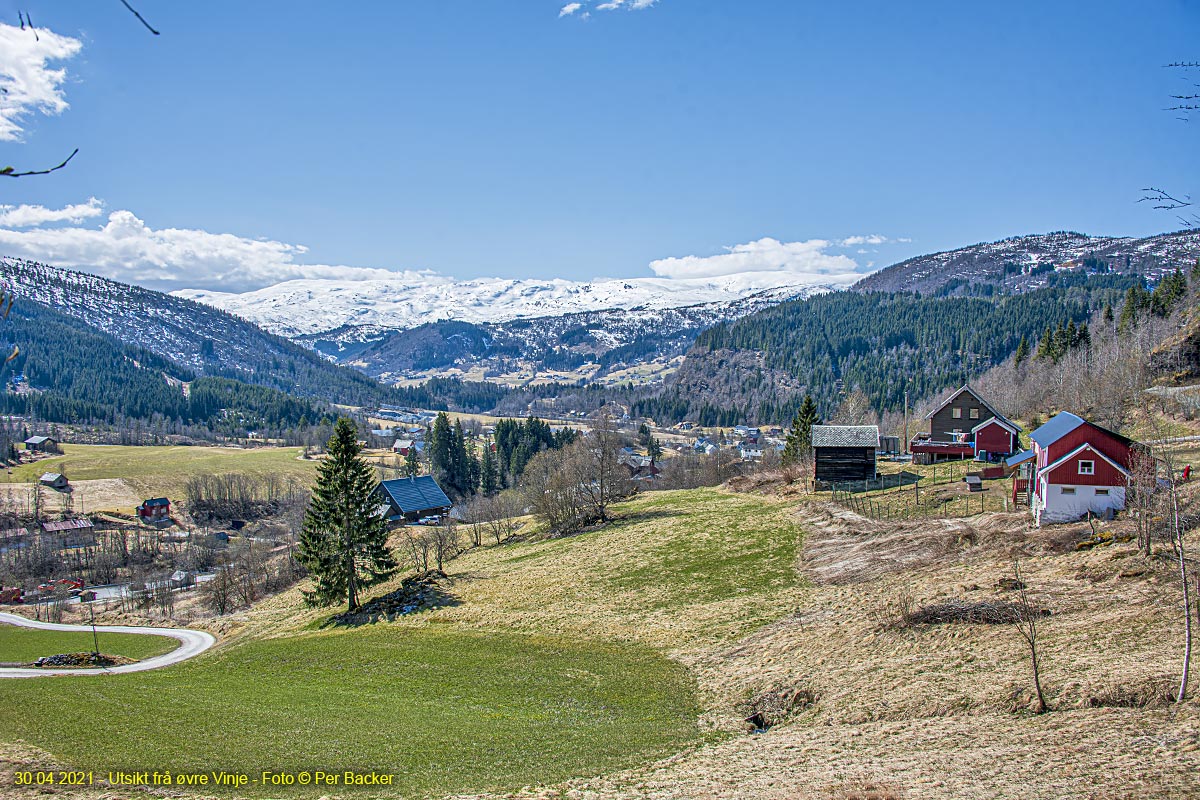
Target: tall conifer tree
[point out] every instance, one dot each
(344, 540)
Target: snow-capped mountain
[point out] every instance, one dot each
(1022, 263)
(307, 307)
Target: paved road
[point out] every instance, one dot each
(193, 644)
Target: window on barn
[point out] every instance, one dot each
(956, 413)
(1068, 490)
(1102, 493)
(974, 413)
(1087, 467)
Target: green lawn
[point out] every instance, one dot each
(164, 470)
(23, 645)
(444, 711)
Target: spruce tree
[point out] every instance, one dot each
(344, 540)
(1022, 353)
(799, 440)
(489, 478)
(412, 462)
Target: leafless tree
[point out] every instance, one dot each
(1026, 623)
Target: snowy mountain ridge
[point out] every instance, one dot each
(307, 307)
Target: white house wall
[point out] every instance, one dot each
(1059, 507)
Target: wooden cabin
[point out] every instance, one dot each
(843, 453)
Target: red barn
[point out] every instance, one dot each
(1078, 467)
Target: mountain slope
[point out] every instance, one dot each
(1024, 263)
(758, 368)
(190, 335)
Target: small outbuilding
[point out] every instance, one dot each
(41, 444)
(54, 480)
(413, 499)
(844, 453)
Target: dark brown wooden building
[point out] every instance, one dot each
(844, 453)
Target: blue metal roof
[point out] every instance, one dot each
(414, 495)
(1019, 458)
(1059, 426)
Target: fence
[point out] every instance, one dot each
(906, 495)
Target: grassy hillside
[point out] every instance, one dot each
(23, 645)
(550, 661)
(155, 471)
(571, 665)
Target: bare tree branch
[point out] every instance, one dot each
(1164, 200)
(10, 173)
(141, 19)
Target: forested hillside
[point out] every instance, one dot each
(881, 343)
(192, 336)
(66, 371)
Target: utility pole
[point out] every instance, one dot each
(95, 638)
(906, 421)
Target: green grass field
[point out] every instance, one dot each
(23, 645)
(548, 663)
(164, 470)
(443, 711)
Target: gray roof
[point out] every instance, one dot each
(415, 495)
(845, 436)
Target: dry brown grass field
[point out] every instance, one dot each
(792, 607)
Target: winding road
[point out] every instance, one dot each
(193, 643)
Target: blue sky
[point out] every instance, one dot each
(504, 138)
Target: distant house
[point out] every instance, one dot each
(412, 499)
(402, 446)
(155, 512)
(71, 533)
(965, 425)
(54, 480)
(641, 468)
(41, 444)
(750, 452)
(844, 452)
(1075, 467)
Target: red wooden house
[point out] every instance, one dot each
(1075, 467)
(965, 425)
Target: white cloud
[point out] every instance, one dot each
(608, 5)
(27, 83)
(33, 216)
(807, 262)
(127, 249)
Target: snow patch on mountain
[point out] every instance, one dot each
(307, 307)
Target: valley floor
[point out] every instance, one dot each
(773, 604)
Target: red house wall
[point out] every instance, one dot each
(1105, 474)
(1087, 433)
(994, 439)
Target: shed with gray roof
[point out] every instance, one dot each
(844, 453)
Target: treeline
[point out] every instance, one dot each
(881, 343)
(68, 372)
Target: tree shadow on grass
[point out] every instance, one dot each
(423, 592)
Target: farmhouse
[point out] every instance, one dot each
(1075, 467)
(965, 425)
(41, 444)
(402, 446)
(155, 511)
(54, 480)
(844, 452)
(412, 499)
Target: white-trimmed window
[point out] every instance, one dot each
(1068, 490)
(1102, 493)
(1087, 467)
(956, 413)
(974, 413)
